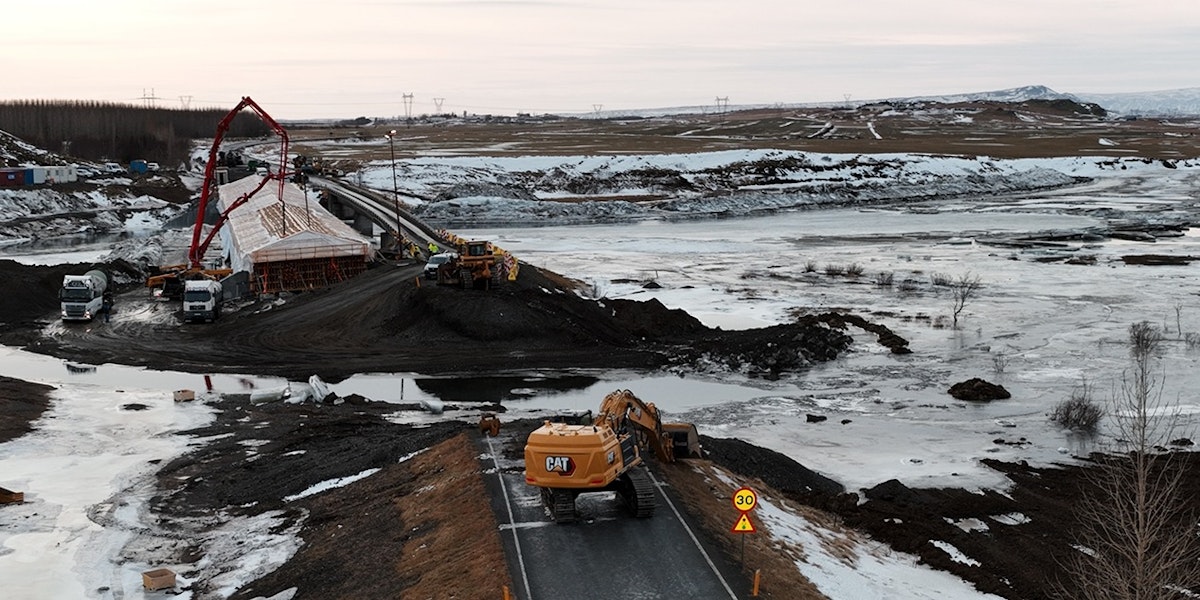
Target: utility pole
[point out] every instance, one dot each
(391, 138)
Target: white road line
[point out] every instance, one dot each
(692, 535)
(512, 520)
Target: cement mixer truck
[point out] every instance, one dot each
(82, 296)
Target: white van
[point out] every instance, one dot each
(111, 167)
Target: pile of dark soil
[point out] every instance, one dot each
(389, 319)
(21, 402)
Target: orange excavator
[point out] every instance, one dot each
(567, 460)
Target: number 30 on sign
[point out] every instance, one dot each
(745, 499)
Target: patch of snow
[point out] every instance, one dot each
(955, 554)
(859, 568)
(1015, 518)
(330, 484)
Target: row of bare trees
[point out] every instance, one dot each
(120, 132)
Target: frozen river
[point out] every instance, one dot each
(1039, 328)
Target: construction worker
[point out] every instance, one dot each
(433, 248)
(106, 305)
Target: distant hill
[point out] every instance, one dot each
(1180, 102)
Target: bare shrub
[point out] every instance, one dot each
(1192, 340)
(940, 279)
(810, 266)
(1080, 411)
(884, 278)
(999, 363)
(908, 284)
(964, 289)
(854, 270)
(1144, 341)
(833, 270)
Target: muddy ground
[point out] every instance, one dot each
(385, 321)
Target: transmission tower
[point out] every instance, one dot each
(722, 104)
(437, 103)
(185, 102)
(408, 99)
(597, 108)
(150, 98)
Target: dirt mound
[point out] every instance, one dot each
(21, 402)
(773, 468)
(978, 390)
(390, 319)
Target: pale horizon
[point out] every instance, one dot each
(308, 59)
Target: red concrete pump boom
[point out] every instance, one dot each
(198, 248)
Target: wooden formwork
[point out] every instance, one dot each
(305, 274)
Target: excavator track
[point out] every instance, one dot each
(640, 493)
(561, 504)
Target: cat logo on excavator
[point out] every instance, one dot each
(563, 465)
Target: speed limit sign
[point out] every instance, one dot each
(745, 499)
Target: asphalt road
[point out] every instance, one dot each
(607, 554)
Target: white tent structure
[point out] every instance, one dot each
(289, 243)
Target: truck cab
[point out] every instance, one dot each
(201, 300)
(82, 296)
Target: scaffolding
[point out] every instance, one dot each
(288, 243)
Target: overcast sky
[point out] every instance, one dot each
(346, 58)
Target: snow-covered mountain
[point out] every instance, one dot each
(1178, 102)
(1017, 94)
(1183, 101)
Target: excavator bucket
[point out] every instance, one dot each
(685, 440)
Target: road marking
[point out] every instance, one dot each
(526, 525)
(692, 535)
(512, 520)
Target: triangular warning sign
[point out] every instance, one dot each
(743, 525)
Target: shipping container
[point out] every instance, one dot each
(12, 177)
(60, 174)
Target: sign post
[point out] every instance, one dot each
(744, 499)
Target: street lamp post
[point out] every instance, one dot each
(391, 138)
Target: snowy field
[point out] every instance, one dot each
(1038, 328)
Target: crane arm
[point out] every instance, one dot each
(197, 249)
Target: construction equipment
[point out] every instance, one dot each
(567, 460)
(476, 266)
(170, 279)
